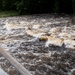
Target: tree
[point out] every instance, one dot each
(73, 6)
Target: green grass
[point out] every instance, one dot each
(8, 13)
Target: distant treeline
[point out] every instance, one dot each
(38, 6)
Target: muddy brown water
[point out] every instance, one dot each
(34, 56)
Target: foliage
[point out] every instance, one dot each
(8, 13)
(73, 5)
(38, 6)
(56, 6)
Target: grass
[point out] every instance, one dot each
(8, 14)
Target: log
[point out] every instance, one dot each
(14, 62)
(2, 72)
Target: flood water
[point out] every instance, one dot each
(34, 56)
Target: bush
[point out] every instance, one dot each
(38, 6)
